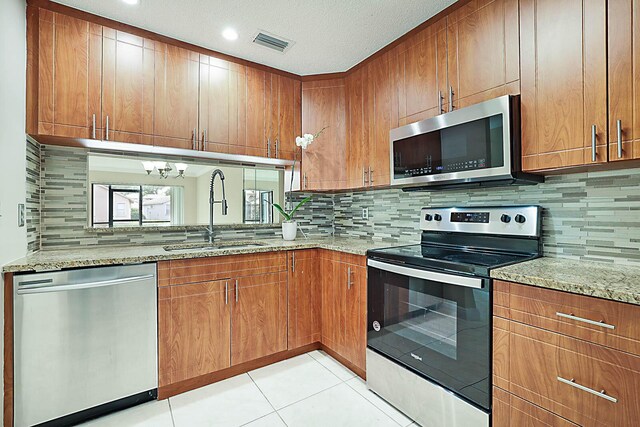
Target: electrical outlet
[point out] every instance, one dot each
(20, 214)
(365, 213)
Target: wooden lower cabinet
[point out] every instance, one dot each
(509, 411)
(344, 306)
(221, 316)
(569, 370)
(304, 298)
(258, 317)
(209, 325)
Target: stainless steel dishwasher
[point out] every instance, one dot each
(85, 342)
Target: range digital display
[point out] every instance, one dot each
(479, 217)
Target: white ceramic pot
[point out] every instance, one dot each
(289, 230)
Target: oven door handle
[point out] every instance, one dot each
(469, 282)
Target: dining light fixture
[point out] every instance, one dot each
(181, 168)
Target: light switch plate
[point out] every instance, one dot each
(20, 214)
(365, 213)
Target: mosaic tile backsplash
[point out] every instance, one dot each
(590, 216)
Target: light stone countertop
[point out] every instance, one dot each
(596, 279)
(48, 260)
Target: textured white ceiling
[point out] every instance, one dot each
(329, 35)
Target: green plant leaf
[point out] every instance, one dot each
(298, 206)
(284, 213)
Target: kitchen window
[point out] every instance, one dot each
(117, 205)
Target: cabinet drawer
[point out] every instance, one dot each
(176, 272)
(585, 383)
(610, 323)
(510, 410)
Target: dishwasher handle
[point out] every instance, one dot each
(42, 288)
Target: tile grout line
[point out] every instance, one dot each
(267, 399)
(344, 381)
(173, 420)
(371, 403)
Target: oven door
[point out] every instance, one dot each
(437, 325)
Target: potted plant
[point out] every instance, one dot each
(289, 225)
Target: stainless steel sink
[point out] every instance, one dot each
(205, 246)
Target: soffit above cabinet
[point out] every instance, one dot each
(329, 35)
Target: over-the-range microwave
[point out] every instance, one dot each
(475, 145)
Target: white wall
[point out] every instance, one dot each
(13, 240)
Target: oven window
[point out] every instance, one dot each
(423, 319)
(441, 331)
(473, 145)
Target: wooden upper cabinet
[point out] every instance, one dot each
(383, 117)
(69, 56)
(563, 83)
(483, 54)
(424, 74)
(286, 110)
(358, 130)
(624, 79)
(258, 317)
(257, 124)
(127, 87)
(215, 108)
(176, 97)
(323, 162)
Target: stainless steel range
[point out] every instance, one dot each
(429, 311)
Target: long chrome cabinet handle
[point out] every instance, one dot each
(293, 261)
(365, 179)
(370, 176)
(582, 319)
(194, 145)
(451, 107)
(204, 140)
(277, 149)
(619, 123)
(93, 127)
(349, 278)
(42, 288)
(226, 293)
(106, 137)
(601, 394)
(268, 147)
(236, 290)
(440, 99)
(594, 135)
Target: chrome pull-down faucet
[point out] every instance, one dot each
(212, 201)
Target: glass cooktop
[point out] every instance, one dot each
(476, 262)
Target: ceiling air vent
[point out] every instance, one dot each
(272, 41)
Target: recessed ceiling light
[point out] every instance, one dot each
(230, 34)
(130, 1)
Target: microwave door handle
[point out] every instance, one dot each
(469, 282)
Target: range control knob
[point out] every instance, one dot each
(505, 218)
(520, 219)
(437, 217)
(428, 217)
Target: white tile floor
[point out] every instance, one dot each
(309, 390)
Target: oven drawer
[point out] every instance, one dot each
(609, 323)
(585, 383)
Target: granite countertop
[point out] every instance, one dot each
(105, 255)
(596, 279)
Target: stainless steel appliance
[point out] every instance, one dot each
(85, 342)
(479, 144)
(429, 311)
